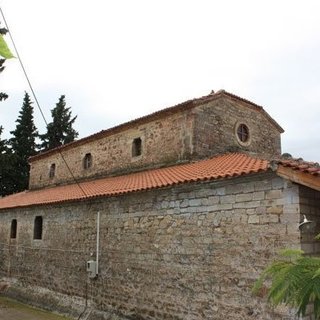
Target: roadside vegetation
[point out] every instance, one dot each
(13, 310)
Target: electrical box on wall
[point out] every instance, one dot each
(92, 268)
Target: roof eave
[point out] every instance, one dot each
(299, 177)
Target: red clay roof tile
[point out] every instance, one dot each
(223, 166)
(301, 165)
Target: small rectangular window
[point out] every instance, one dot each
(52, 170)
(136, 147)
(13, 231)
(37, 229)
(87, 161)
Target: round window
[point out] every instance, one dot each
(243, 133)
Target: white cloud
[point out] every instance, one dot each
(119, 60)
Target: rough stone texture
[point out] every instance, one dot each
(165, 141)
(201, 132)
(215, 130)
(187, 252)
(310, 206)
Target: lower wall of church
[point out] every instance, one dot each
(185, 252)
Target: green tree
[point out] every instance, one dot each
(295, 281)
(60, 131)
(23, 142)
(4, 49)
(3, 95)
(7, 181)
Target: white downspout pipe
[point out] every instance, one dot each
(98, 242)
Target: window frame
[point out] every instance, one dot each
(52, 171)
(242, 133)
(87, 161)
(13, 229)
(38, 228)
(136, 150)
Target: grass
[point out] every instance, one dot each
(7, 303)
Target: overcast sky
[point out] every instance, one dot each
(119, 60)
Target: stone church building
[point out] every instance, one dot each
(169, 216)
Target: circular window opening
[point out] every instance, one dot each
(243, 133)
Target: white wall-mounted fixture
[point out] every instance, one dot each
(305, 224)
(92, 269)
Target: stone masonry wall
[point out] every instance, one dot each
(165, 141)
(310, 206)
(215, 130)
(188, 252)
(201, 132)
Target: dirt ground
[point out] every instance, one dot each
(13, 310)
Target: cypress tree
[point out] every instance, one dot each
(7, 178)
(23, 142)
(60, 131)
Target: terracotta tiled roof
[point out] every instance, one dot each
(223, 166)
(157, 115)
(302, 166)
(299, 171)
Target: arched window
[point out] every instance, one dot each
(52, 170)
(13, 231)
(37, 228)
(136, 147)
(87, 161)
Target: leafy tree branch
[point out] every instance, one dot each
(295, 281)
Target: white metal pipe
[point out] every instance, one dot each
(98, 242)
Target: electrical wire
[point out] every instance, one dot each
(37, 102)
(58, 149)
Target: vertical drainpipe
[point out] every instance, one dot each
(98, 242)
(9, 258)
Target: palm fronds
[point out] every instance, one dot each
(295, 281)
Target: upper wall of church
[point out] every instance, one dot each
(157, 143)
(226, 125)
(193, 130)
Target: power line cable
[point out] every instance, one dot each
(22, 66)
(36, 100)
